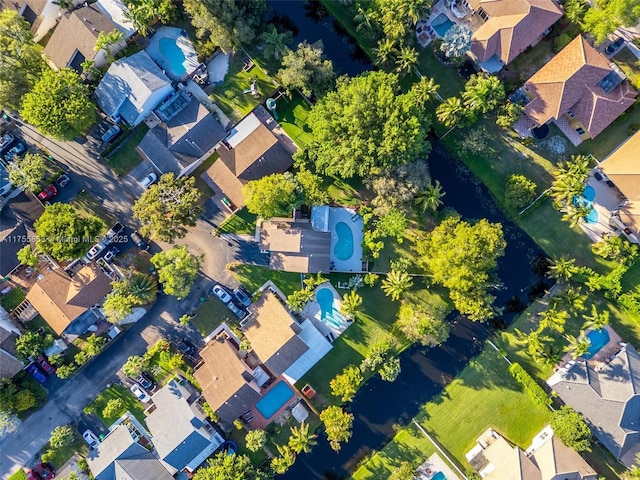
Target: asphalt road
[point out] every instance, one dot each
(68, 398)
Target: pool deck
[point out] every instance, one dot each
(433, 465)
(313, 312)
(355, 222)
(258, 421)
(606, 200)
(190, 56)
(600, 358)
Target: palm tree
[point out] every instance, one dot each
(554, 319)
(596, 320)
(550, 354)
(351, 303)
(577, 346)
(396, 283)
(423, 90)
(450, 112)
(430, 198)
(575, 10)
(575, 214)
(407, 58)
(106, 41)
(385, 51)
(457, 41)
(143, 287)
(573, 300)
(282, 463)
(536, 344)
(301, 440)
(562, 269)
(275, 42)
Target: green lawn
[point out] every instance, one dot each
(253, 277)
(238, 436)
(631, 279)
(61, 455)
(90, 207)
(122, 157)
(201, 185)
(484, 395)
(451, 84)
(629, 64)
(230, 96)
(347, 192)
(293, 113)
(131, 404)
(12, 299)
(241, 222)
(19, 475)
(211, 313)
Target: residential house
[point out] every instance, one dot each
(494, 458)
(117, 12)
(66, 302)
(282, 350)
(295, 246)
(185, 136)
(181, 433)
(509, 28)
(606, 392)
(74, 39)
(42, 15)
(250, 151)
(12, 240)
(120, 457)
(132, 88)
(579, 90)
(9, 363)
(622, 167)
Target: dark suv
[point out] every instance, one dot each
(146, 380)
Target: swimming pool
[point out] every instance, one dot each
(343, 249)
(174, 55)
(328, 312)
(598, 339)
(589, 193)
(439, 476)
(586, 199)
(274, 400)
(441, 24)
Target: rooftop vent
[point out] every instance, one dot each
(613, 79)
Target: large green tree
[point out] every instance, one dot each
(255, 439)
(168, 207)
(275, 43)
(275, 195)
(483, 93)
(606, 16)
(396, 17)
(20, 59)
(229, 467)
(301, 439)
(177, 270)
(28, 172)
(31, 344)
(337, 425)
(65, 234)
(367, 126)
(306, 69)
(569, 426)
(346, 384)
(61, 436)
(460, 256)
(227, 24)
(421, 323)
(144, 13)
(59, 105)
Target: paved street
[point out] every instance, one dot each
(67, 398)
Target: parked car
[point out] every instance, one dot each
(221, 293)
(146, 380)
(242, 296)
(45, 471)
(138, 240)
(95, 250)
(615, 45)
(17, 149)
(91, 438)
(48, 193)
(111, 254)
(31, 475)
(149, 180)
(45, 366)
(6, 141)
(113, 233)
(140, 394)
(111, 134)
(236, 310)
(63, 180)
(35, 372)
(186, 346)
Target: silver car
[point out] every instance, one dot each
(149, 180)
(95, 250)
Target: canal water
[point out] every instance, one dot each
(379, 405)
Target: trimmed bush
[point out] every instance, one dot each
(535, 391)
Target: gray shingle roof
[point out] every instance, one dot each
(11, 241)
(128, 84)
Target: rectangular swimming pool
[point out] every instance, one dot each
(274, 399)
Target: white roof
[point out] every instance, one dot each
(318, 345)
(115, 10)
(243, 129)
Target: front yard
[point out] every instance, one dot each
(59, 456)
(114, 391)
(122, 157)
(90, 207)
(241, 222)
(211, 313)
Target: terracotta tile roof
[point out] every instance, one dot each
(570, 81)
(512, 27)
(60, 299)
(622, 166)
(225, 380)
(77, 30)
(273, 334)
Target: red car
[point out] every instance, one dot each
(42, 471)
(45, 366)
(48, 193)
